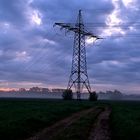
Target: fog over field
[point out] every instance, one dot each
(38, 95)
(52, 95)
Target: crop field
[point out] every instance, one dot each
(22, 119)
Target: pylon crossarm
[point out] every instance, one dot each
(65, 26)
(70, 27)
(74, 29)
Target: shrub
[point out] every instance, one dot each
(67, 94)
(93, 96)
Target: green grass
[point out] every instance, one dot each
(21, 119)
(125, 120)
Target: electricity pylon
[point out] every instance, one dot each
(78, 77)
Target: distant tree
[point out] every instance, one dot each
(93, 96)
(22, 90)
(67, 94)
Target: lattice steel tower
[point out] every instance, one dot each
(79, 76)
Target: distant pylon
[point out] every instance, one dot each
(78, 77)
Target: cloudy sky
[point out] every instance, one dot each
(34, 53)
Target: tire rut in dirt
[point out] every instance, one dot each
(50, 132)
(101, 128)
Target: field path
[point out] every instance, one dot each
(58, 127)
(101, 129)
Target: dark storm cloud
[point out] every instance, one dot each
(33, 51)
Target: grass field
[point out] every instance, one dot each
(125, 120)
(20, 119)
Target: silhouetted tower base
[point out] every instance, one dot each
(78, 77)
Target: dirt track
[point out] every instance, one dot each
(100, 130)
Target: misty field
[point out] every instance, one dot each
(20, 119)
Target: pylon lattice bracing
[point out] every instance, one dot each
(78, 77)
